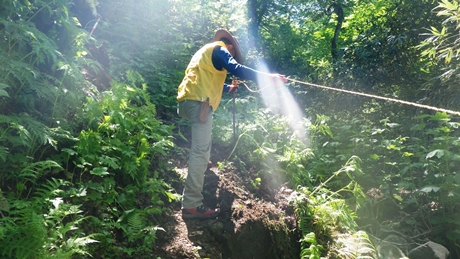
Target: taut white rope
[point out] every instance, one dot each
(379, 97)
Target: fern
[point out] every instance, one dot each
(136, 222)
(35, 170)
(21, 133)
(329, 217)
(3, 92)
(50, 189)
(4, 204)
(132, 222)
(40, 89)
(74, 246)
(64, 237)
(333, 214)
(26, 237)
(44, 228)
(354, 246)
(310, 247)
(3, 153)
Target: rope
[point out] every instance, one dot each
(360, 94)
(379, 97)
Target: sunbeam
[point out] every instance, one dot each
(279, 99)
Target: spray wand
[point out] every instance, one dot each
(95, 25)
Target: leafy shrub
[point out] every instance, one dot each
(115, 165)
(41, 89)
(409, 171)
(325, 219)
(44, 227)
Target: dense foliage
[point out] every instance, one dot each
(79, 166)
(87, 118)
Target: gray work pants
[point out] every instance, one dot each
(200, 153)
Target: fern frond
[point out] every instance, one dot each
(3, 92)
(27, 239)
(3, 153)
(35, 170)
(4, 204)
(50, 189)
(30, 131)
(20, 73)
(38, 131)
(136, 222)
(132, 222)
(5, 119)
(23, 134)
(354, 246)
(45, 91)
(80, 241)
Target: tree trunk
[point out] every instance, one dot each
(339, 11)
(256, 9)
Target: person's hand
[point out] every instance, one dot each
(232, 88)
(276, 77)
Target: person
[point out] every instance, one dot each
(199, 95)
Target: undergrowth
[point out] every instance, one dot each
(390, 177)
(323, 198)
(81, 169)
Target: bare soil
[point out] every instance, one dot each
(255, 221)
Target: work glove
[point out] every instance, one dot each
(232, 88)
(277, 78)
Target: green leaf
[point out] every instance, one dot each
(440, 116)
(3, 153)
(453, 6)
(438, 153)
(374, 156)
(457, 178)
(430, 188)
(99, 171)
(69, 151)
(3, 93)
(110, 161)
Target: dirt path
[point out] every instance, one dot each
(255, 221)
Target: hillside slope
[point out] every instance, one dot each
(255, 221)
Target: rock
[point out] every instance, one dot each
(216, 227)
(390, 251)
(429, 250)
(398, 241)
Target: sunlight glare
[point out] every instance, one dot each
(278, 98)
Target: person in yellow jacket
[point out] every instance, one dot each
(198, 96)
